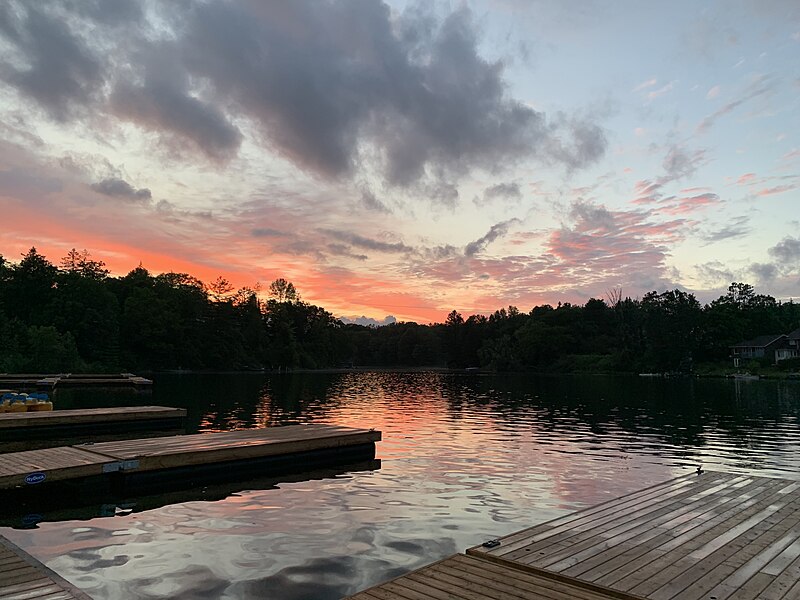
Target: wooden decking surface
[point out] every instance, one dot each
(70, 462)
(73, 379)
(706, 536)
(22, 577)
(88, 415)
(463, 577)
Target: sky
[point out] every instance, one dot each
(399, 160)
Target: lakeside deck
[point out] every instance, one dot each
(174, 456)
(90, 419)
(710, 536)
(54, 380)
(22, 577)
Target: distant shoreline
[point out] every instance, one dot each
(466, 371)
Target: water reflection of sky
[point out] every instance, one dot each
(463, 459)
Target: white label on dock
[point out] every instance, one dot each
(112, 467)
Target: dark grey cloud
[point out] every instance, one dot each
(119, 188)
(266, 232)
(495, 231)
(764, 271)
(714, 273)
(344, 250)
(503, 190)
(575, 142)
(359, 241)
(165, 107)
(735, 228)
(370, 201)
(593, 216)
(787, 251)
(440, 252)
(680, 163)
(336, 87)
(58, 69)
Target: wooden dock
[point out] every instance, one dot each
(101, 418)
(462, 577)
(22, 577)
(35, 469)
(698, 537)
(53, 380)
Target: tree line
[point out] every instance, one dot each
(75, 316)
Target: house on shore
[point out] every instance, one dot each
(776, 347)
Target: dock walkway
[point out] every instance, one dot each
(203, 450)
(461, 577)
(22, 577)
(53, 380)
(93, 417)
(698, 537)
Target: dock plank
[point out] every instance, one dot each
(22, 577)
(187, 450)
(461, 577)
(154, 454)
(88, 415)
(635, 557)
(699, 536)
(57, 464)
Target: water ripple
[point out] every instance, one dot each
(464, 459)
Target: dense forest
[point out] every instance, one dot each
(75, 316)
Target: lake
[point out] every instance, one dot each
(465, 458)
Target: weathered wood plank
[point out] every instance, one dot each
(187, 450)
(152, 454)
(715, 535)
(628, 529)
(707, 550)
(637, 557)
(88, 415)
(28, 579)
(462, 577)
(560, 529)
(56, 464)
(597, 523)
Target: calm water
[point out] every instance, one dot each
(465, 458)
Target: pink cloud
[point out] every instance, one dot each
(691, 204)
(746, 179)
(660, 91)
(778, 189)
(646, 84)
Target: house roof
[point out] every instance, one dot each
(760, 341)
(795, 335)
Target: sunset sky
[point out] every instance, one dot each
(407, 158)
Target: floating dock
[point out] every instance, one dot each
(51, 381)
(98, 420)
(465, 577)
(23, 577)
(172, 457)
(698, 537)
(95, 503)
